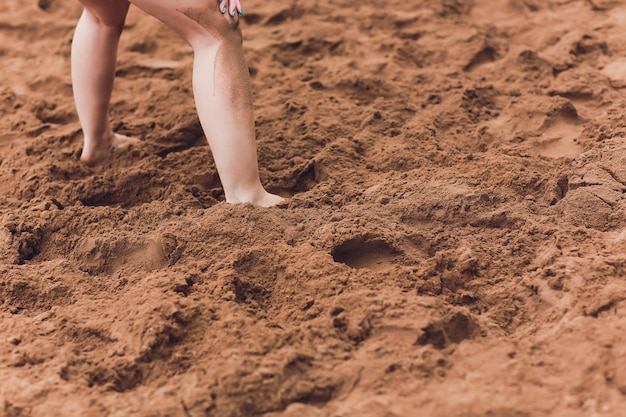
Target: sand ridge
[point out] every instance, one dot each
(455, 244)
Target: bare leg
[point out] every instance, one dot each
(222, 91)
(94, 51)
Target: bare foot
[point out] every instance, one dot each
(95, 152)
(269, 200)
(259, 198)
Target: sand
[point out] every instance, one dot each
(455, 244)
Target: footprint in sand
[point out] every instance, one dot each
(364, 253)
(453, 328)
(111, 254)
(558, 133)
(559, 140)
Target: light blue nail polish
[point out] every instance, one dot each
(241, 11)
(224, 9)
(233, 13)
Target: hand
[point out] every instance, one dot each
(232, 7)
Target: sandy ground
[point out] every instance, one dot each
(455, 245)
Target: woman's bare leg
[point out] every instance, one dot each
(94, 52)
(222, 90)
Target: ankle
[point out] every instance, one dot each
(249, 194)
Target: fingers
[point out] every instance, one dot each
(231, 7)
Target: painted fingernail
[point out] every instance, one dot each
(233, 13)
(224, 9)
(221, 1)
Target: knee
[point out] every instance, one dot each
(213, 28)
(108, 15)
(229, 32)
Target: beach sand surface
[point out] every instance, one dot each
(454, 245)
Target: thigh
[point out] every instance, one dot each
(195, 21)
(108, 12)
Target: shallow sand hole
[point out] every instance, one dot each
(559, 141)
(375, 255)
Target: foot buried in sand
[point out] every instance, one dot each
(95, 152)
(261, 198)
(270, 200)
